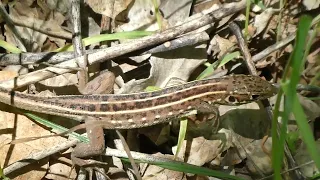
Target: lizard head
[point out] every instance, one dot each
(243, 89)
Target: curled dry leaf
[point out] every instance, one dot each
(167, 70)
(141, 16)
(219, 46)
(17, 126)
(31, 17)
(201, 150)
(159, 173)
(261, 21)
(6, 75)
(175, 11)
(61, 168)
(311, 4)
(109, 8)
(238, 121)
(303, 156)
(260, 158)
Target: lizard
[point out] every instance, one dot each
(136, 110)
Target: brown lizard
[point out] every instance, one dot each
(127, 111)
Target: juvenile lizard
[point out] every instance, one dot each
(127, 111)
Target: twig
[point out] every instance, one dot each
(292, 169)
(78, 46)
(146, 157)
(251, 67)
(127, 150)
(24, 22)
(261, 55)
(54, 57)
(82, 61)
(6, 17)
(38, 156)
(244, 48)
(125, 48)
(302, 87)
(57, 66)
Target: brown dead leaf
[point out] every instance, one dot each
(159, 173)
(167, 69)
(244, 147)
(37, 39)
(261, 20)
(311, 109)
(251, 30)
(109, 8)
(175, 11)
(27, 16)
(201, 6)
(56, 5)
(311, 4)
(6, 75)
(61, 169)
(141, 16)
(157, 134)
(18, 126)
(220, 46)
(117, 173)
(259, 158)
(200, 150)
(303, 156)
(49, 46)
(61, 80)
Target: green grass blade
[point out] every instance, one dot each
(107, 37)
(259, 3)
(183, 124)
(55, 126)
(188, 168)
(227, 58)
(210, 69)
(306, 131)
(276, 157)
(288, 86)
(152, 88)
(182, 135)
(9, 47)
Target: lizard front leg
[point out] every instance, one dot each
(95, 146)
(101, 84)
(206, 111)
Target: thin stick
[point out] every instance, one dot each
(125, 48)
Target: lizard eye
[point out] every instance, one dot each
(231, 99)
(255, 97)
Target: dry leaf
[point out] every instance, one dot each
(159, 173)
(61, 169)
(200, 150)
(109, 8)
(31, 17)
(261, 21)
(311, 4)
(141, 16)
(6, 75)
(220, 46)
(303, 156)
(18, 126)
